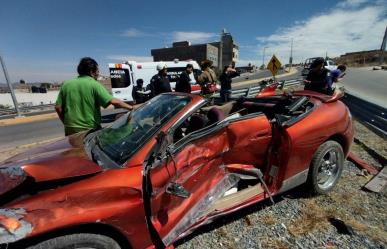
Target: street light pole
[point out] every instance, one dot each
(291, 55)
(10, 86)
(263, 57)
(383, 48)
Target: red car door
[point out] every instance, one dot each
(249, 139)
(193, 174)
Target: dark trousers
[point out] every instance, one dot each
(225, 95)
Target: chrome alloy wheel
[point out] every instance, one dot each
(328, 170)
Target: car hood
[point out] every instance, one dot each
(63, 159)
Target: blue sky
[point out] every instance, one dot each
(43, 40)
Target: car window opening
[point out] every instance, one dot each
(286, 106)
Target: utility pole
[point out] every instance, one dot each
(291, 55)
(383, 47)
(10, 86)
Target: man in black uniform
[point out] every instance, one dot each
(184, 83)
(139, 94)
(160, 82)
(318, 77)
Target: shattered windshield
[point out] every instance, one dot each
(127, 134)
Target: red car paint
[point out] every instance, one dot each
(204, 163)
(268, 90)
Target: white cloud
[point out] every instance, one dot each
(351, 3)
(134, 33)
(261, 38)
(122, 58)
(194, 37)
(336, 32)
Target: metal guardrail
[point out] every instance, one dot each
(254, 90)
(25, 110)
(372, 115)
(244, 92)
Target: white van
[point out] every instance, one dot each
(124, 76)
(328, 64)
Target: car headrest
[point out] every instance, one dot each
(215, 115)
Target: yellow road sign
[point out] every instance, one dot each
(274, 65)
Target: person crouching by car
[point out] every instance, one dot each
(139, 93)
(207, 79)
(337, 75)
(160, 81)
(318, 78)
(184, 83)
(225, 82)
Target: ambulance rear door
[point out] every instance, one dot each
(121, 81)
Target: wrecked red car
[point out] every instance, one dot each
(174, 164)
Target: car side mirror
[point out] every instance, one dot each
(161, 136)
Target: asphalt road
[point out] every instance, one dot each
(27, 133)
(367, 84)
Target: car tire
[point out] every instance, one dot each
(78, 241)
(325, 168)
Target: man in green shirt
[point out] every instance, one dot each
(79, 101)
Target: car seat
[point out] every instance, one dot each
(196, 122)
(215, 115)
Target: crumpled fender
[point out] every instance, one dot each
(12, 225)
(40, 215)
(13, 176)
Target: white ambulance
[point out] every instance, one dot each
(124, 76)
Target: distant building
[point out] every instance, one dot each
(183, 50)
(361, 58)
(230, 51)
(186, 51)
(247, 69)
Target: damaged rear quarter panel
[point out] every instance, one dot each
(305, 137)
